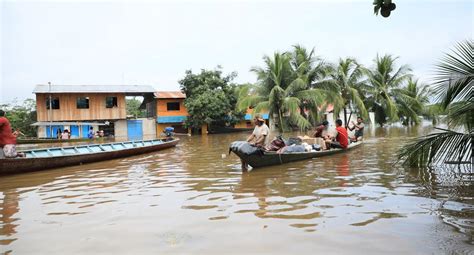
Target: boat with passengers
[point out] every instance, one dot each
(260, 157)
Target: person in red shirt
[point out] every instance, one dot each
(8, 138)
(341, 140)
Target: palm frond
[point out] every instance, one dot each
(455, 74)
(262, 106)
(438, 148)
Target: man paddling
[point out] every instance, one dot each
(359, 129)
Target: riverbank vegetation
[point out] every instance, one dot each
(21, 116)
(211, 98)
(296, 87)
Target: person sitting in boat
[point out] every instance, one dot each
(318, 132)
(359, 129)
(260, 132)
(65, 134)
(341, 140)
(8, 138)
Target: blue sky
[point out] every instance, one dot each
(154, 42)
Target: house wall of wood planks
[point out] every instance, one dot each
(68, 110)
(162, 110)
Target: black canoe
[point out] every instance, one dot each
(48, 158)
(269, 158)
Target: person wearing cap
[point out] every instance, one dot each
(260, 132)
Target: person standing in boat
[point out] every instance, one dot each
(260, 132)
(359, 129)
(8, 138)
(341, 140)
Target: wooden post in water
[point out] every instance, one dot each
(204, 129)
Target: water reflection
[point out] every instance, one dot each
(184, 193)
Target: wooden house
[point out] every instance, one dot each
(170, 111)
(79, 108)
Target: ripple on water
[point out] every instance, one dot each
(178, 196)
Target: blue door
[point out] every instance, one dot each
(74, 131)
(85, 131)
(134, 130)
(54, 130)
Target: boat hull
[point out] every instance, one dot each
(30, 164)
(273, 158)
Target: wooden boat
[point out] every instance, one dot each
(269, 158)
(47, 158)
(50, 140)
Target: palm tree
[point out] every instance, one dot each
(346, 79)
(383, 80)
(411, 100)
(454, 90)
(284, 89)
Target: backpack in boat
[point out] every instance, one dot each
(276, 144)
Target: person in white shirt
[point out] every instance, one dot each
(260, 133)
(258, 136)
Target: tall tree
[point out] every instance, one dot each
(210, 98)
(384, 79)
(285, 89)
(21, 116)
(347, 79)
(454, 85)
(411, 100)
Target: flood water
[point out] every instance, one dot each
(194, 199)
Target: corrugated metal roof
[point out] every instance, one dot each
(169, 94)
(41, 88)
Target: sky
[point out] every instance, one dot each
(155, 42)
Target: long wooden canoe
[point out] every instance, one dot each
(269, 158)
(48, 158)
(53, 140)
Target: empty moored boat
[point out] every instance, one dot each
(269, 158)
(48, 158)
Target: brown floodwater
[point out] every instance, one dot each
(194, 199)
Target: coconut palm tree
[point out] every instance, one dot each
(383, 81)
(284, 89)
(308, 70)
(411, 100)
(346, 79)
(454, 90)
